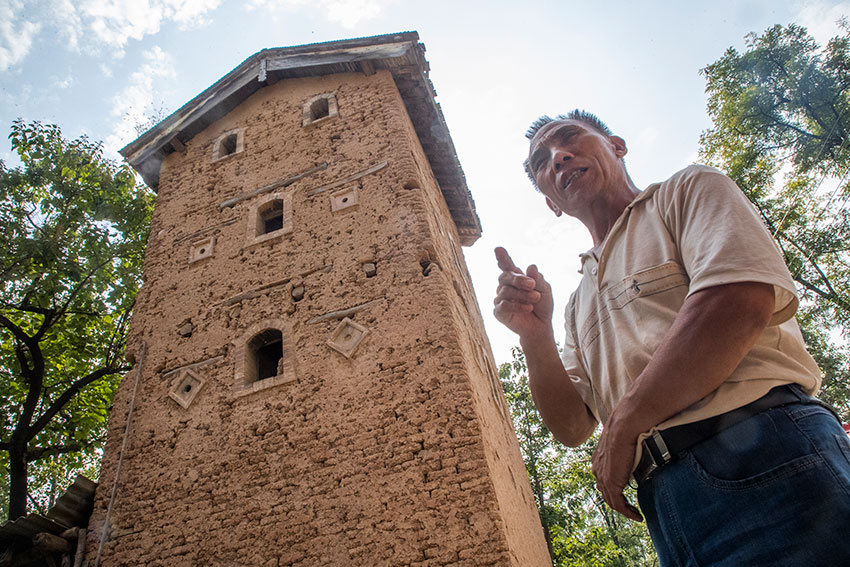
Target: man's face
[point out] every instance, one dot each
(574, 165)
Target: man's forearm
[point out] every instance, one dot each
(711, 335)
(713, 331)
(524, 304)
(558, 402)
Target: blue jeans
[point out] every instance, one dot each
(772, 490)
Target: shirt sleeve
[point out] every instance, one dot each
(571, 359)
(722, 239)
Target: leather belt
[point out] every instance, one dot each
(664, 446)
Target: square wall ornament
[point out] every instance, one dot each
(347, 337)
(201, 249)
(185, 387)
(345, 199)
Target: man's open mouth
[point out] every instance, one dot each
(573, 176)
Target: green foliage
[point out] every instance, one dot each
(74, 226)
(781, 130)
(580, 530)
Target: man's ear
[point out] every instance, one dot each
(619, 146)
(553, 206)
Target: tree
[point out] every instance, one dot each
(781, 130)
(74, 227)
(580, 529)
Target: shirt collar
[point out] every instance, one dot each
(639, 198)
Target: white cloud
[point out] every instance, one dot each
(65, 18)
(284, 5)
(821, 17)
(92, 24)
(62, 82)
(135, 101)
(114, 22)
(16, 36)
(193, 13)
(347, 13)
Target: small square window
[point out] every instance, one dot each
(270, 217)
(319, 109)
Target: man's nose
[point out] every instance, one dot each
(560, 158)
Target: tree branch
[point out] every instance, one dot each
(27, 308)
(831, 293)
(34, 375)
(68, 394)
(8, 269)
(777, 122)
(17, 331)
(812, 287)
(40, 453)
(64, 308)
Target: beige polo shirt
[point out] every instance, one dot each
(695, 230)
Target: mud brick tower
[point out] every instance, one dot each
(312, 384)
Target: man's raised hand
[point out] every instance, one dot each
(523, 300)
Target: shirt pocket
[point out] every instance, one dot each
(645, 283)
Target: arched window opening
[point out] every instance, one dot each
(228, 145)
(266, 352)
(270, 217)
(319, 109)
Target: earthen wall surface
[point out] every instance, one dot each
(398, 453)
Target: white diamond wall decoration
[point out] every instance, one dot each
(347, 337)
(185, 387)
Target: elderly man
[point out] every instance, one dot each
(681, 341)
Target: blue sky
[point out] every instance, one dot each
(98, 67)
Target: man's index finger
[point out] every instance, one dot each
(504, 261)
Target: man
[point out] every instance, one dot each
(681, 341)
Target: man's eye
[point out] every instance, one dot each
(565, 136)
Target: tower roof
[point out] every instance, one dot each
(401, 54)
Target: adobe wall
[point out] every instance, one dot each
(400, 453)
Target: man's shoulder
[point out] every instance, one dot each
(690, 174)
(686, 181)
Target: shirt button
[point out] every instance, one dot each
(593, 271)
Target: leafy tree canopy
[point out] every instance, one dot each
(781, 130)
(73, 227)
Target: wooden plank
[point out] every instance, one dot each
(299, 60)
(51, 543)
(349, 179)
(272, 186)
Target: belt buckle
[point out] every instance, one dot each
(659, 454)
